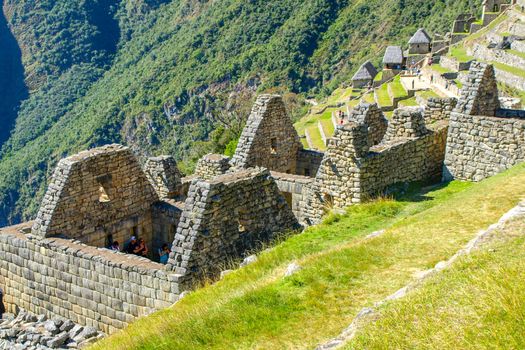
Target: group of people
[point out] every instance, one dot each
(139, 247)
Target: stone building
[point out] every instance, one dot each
(393, 58)
(484, 139)
(97, 196)
(364, 76)
(269, 139)
(420, 43)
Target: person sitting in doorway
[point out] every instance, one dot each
(141, 248)
(164, 254)
(115, 246)
(132, 245)
(2, 306)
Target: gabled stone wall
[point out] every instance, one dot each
(225, 218)
(97, 196)
(165, 177)
(479, 95)
(371, 115)
(269, 139)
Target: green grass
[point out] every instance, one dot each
(440, 69)
(477, 304)
(411, 102)
(257, 308)
(328, 127)
(398, 90)
(315, 136)
(383, 98)
(513, 70)
(517, 53)
(460, 53)
(427, 94)
(482, 32)
(378, 77)
(369, 98)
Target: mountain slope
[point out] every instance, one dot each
(342, 271)
(161, 85)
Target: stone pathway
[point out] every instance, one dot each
(27, 331)
(366, 314)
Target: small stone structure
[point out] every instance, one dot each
(373, 117)
(483, 139)
(97, 196)
(164, 176)
(223, 219)
(393, 58)
(420, 43)
(364, 76)
(269, 139)
(212, 165)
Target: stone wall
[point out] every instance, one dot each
(479, 95)
(483, 53)
(406, 122)
(166, 216)
(224, 219)
(439, 109)
(269, 139)
(165, 177)
(371, 115)
(294, 188)
(481, 146)
(352, 171)
(212, 165)
(308, 162)
(90, 286)
(97, 196)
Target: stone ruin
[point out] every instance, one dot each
(484, 139)
(58, 264)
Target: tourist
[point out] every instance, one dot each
(115, 247)
(164, 254)
(141, 249)
(132, 245)
(2, 307)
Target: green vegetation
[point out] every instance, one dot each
(460, 53)
(378, 77)
(427, 94)
(506, 90)
(440, 69)
(477, 304)
(341, 272)
(411, 102)
(315, 136)
(511, 69)
(398, 90)
(383, 97)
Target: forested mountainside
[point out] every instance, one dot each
(172, 77)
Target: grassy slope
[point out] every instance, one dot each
(477, 304)
(255, 307)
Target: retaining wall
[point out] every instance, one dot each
(90, 286)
